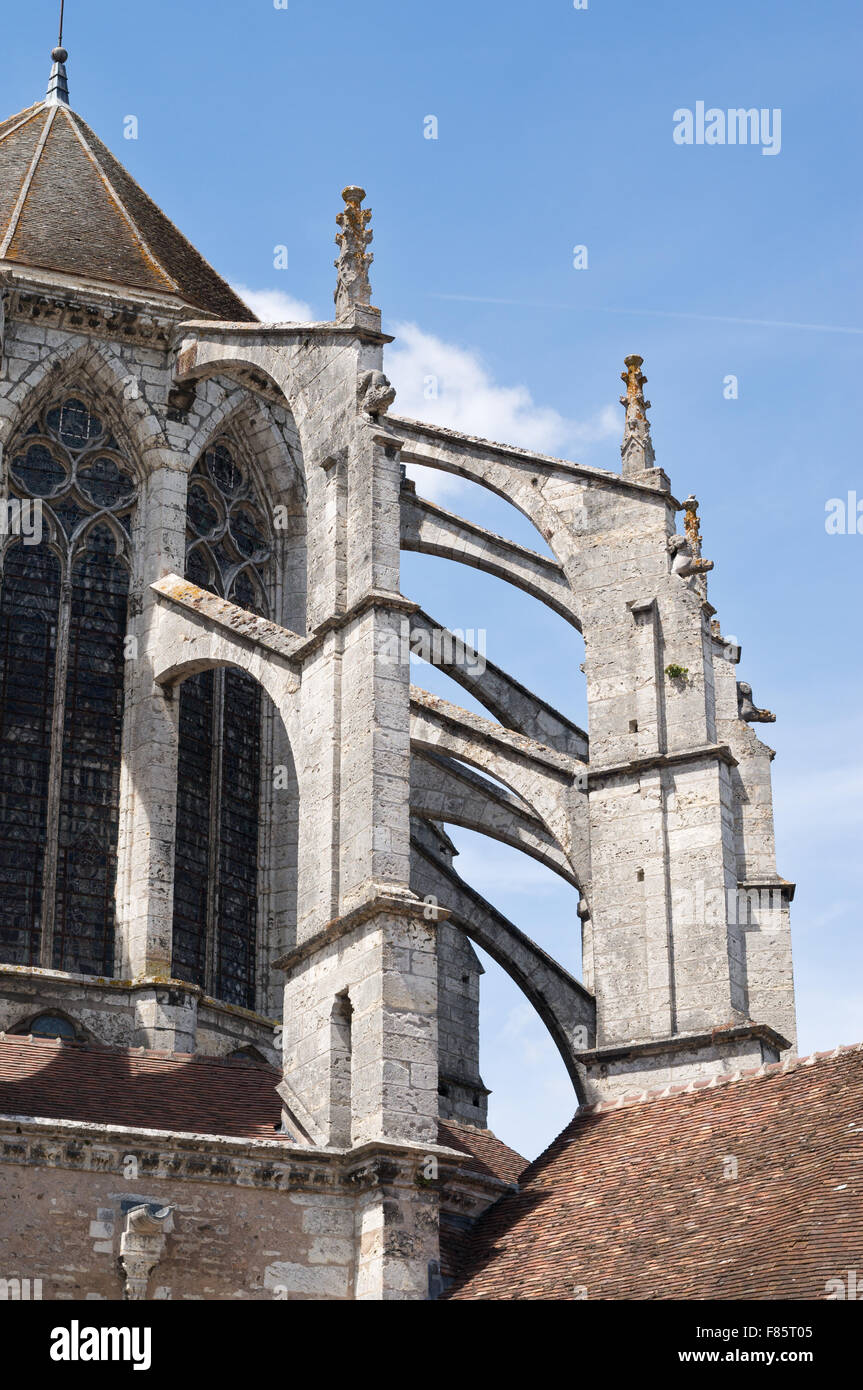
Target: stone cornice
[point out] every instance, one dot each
(381, 903)
(63, 979)
(274, 1164)
(719, 752)
(685, 1042)
(100, 310)
(275, 334)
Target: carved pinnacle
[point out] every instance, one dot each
(353, 287)
(636, 451)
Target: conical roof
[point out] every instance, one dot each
(67, 205)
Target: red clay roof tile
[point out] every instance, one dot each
(641, 1202)
(140, 1089)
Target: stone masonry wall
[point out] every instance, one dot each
(250, 1220)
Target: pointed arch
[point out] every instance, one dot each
(110, 523)
(274, 443)
(94, 367)
(230, 744)
(61, 789)
(237, 834)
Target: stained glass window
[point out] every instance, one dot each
(29, 603)
(63, 603)
(52, 1026)
(216, 866)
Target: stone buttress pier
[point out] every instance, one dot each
(359, 930)
(360, 1006)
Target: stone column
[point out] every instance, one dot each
(360, 1026)
(396, 1231)
(363, 937)
(148, 785)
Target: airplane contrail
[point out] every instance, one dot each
(652, 313)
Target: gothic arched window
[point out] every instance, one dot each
(216, 859)
(63, 595)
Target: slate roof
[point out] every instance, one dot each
(640, 1200)
(67, 205)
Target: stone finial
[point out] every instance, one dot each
(748, 710)
(692, 525)
(636, 450)
(353, 288)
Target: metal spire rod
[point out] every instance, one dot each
(58, 87)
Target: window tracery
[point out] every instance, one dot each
(63, 609)
(229, 552)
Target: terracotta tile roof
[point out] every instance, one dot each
(488, 1154)
(67, 205)
(639, 1201)
(48, 1078)
(56, 1080)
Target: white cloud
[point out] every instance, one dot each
(449, 385)
(468, 397)
(274, 306)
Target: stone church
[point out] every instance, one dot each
(239, 998)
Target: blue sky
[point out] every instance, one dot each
(555, 130)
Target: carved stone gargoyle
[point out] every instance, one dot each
(142, 1246)
(749, 711)
(686, 549)
(684, 563)
(375, 393)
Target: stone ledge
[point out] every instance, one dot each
(73, 305)
(719, 752)
(275, 1164)
(696, 1085)
(373, 598)
(67, 979)
(391, 904)
(772, 885)
(685, 1042)
(238, 623)
(210, 330)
